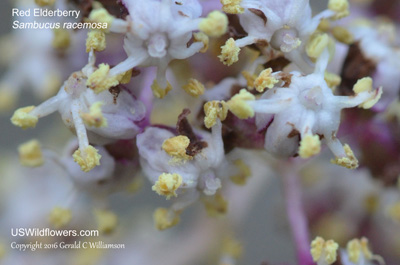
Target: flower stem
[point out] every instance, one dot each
(296, 217)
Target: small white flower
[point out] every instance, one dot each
(189, 173)
(158, 31)
(377, 43)
(100, 118)
(285, 25)
(305, 106)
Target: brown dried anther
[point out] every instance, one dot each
(183, 127)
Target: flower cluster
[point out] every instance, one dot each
(268, 89)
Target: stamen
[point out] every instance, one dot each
(238, 106)
(215, 25)
(341, 7)
(356, 248)
(96, 41)
(62, 39)
(45, 2)
(100, 79)
(176, 147)
(60, 217)
(349, 161)
(194, 88)
(244, 173)
(106, 221)
(30, 154)
(167, 184)
(232, 6)
(201, 37)
(101, 15)
(265, 80)
(317, 44)
(229, 52)
(324, 252)
(310, 145)
(215, 205)
(215, 110)
(95, 117)
(23, 118)
(165, 218)
(343, 35)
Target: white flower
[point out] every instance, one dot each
(110, 176)
(158, 31)
(305, 107)
(377, 43)
(100, 118)
(191, 162)
(285, 25)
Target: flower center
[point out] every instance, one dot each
(285, 39)
(157, 45)
(76, 84)
(312, 98)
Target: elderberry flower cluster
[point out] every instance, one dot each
(269, 88)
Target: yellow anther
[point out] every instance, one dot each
(215, 24)
(349, 161)
(310, 145)
(167, 184)
(158, 91)
(265, 80)
(60, 217)
(23, 119)
(215, 205)
(99, 80)
(322, 250)
(125, 78)
(45, 2)
(356, 248)
(30, 154)
(342, 35)
(88, 160)
(332, 80)
(250, 78)
(341, 7)
(393, 211)
(7, 98)
(229, 52)
(232, 247)
(317, 44)
(232, 6)
(176, 147)
(238, 106)
(95, 117)
(201, 37)
(194, 88)
(106, 221)
(164, 218)
(61, 39)
(372, 101)
(215, 110)
(101, 15)
(243, 175)
(324, 25)
(96, 41)
(363, 84)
